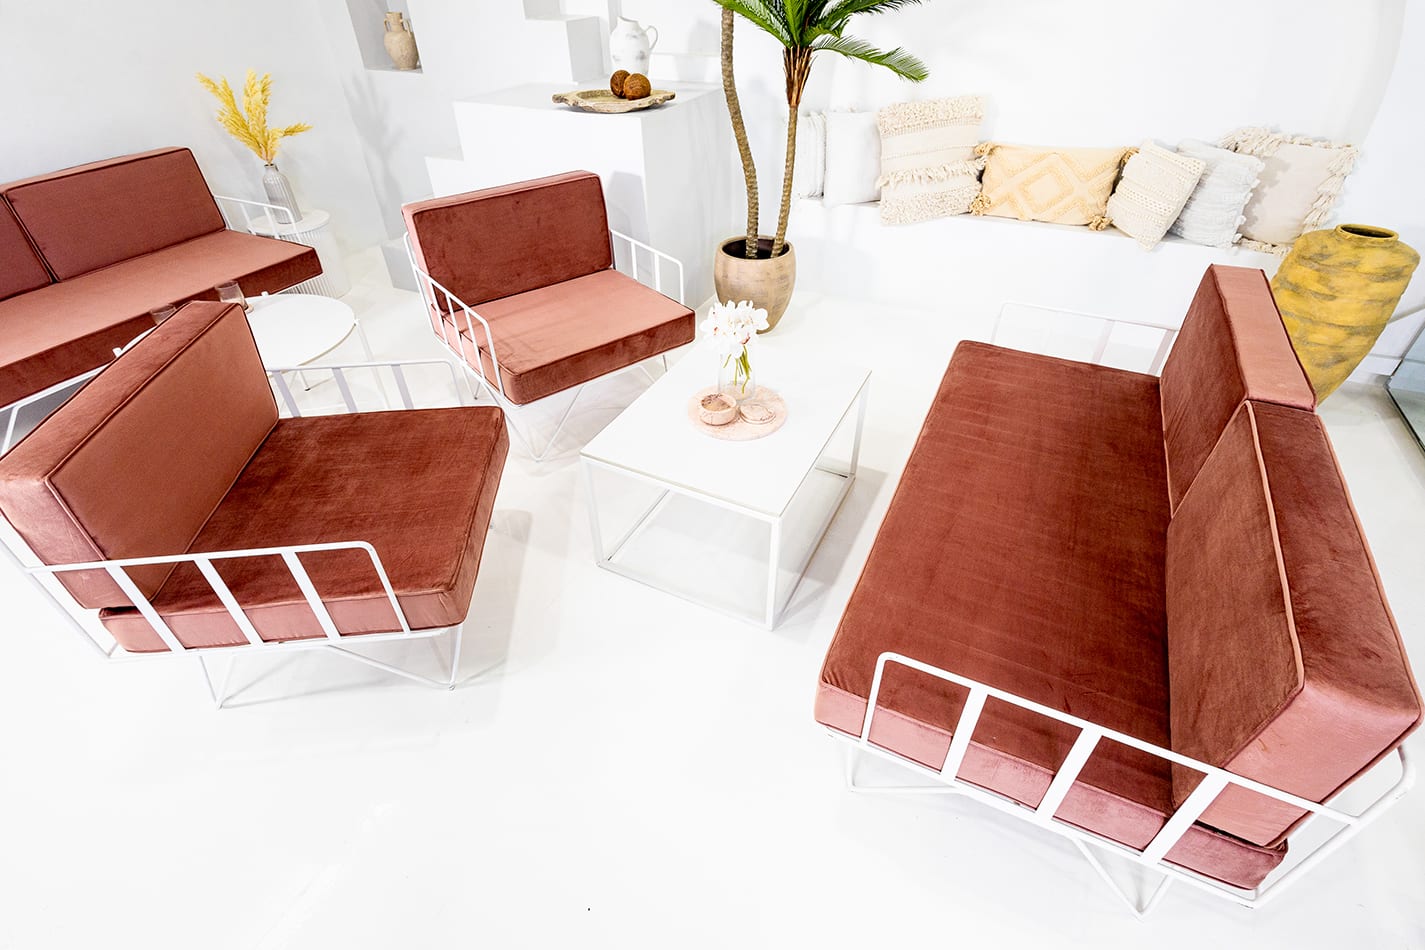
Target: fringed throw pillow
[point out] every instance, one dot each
(1213, 213)
(1155, 185)
(1300, 182)
(1058, 185)
(928, 163)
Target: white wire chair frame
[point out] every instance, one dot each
(432, 292)
(280, 221)
(87, 625)
(1090, 735)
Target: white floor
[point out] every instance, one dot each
(638, 773)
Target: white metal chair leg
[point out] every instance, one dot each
(1139, 911)
(526, 438)
(455, 643)
(449, 681)
(14, 414)
(218, 694)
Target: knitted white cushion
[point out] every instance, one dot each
(1301, 181)
(1154, 187)
(1214, 212)
(928, 163)
(853, 158)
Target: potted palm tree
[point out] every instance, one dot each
(756, 267)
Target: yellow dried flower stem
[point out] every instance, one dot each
(248, 123)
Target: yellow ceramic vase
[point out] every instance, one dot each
(1336, 291)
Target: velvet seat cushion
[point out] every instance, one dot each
(551, 339)
(1287, 666)
(62, 330)
(20, 267)
(1024, 548)
(418, 485)
(90, 216)
(1233, 346)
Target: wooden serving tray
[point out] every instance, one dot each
(603, 100)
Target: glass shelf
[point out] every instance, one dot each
(1407, 388)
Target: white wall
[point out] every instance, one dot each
(1091, 72)
(1386, 187)
(466, 48)
(91, 79)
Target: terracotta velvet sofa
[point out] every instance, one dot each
(1173, 558)
(177, 448)
(87, 252)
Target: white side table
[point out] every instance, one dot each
(729, 525)
(314, 230)
(294, 329)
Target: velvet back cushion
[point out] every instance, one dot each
(94, 215)
(1232, 347)
(135, 463)
(21, 269)
(1284, 662)
(483, 245)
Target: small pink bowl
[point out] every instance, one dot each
(717, 410)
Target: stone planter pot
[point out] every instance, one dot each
(1337, 290)
(767, 282)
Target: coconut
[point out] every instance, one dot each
(637, 86)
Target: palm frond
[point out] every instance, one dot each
(767, 15)
(898, 61)
(797, 21)
(843, 10)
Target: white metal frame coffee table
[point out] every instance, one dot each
(710, 520)
(292, 329)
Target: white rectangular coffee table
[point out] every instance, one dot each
(730, 525)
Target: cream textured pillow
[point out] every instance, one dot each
(1058, 185)
(853, 158)
(928, 163)
(1155, 185)
(809, 175)
(1300, 183)
(1214, 212)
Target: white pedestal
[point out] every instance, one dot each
(668, 171)
(314, 230)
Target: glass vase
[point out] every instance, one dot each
(737, 375)
(279, 192)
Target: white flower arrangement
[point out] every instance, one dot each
(731, 326)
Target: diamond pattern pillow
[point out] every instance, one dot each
(1058, 185)
(1213, 213)
(928, 164)
(1155, 185)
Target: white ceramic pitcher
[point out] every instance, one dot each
(629, 45)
